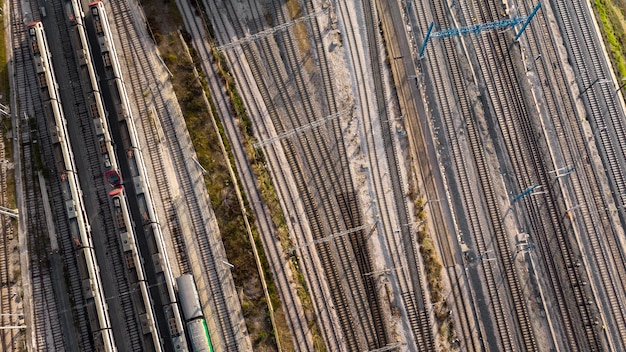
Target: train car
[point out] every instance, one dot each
(109, 56)
(75, 12)
(119, 213)
(199, 336)
(197, 331)
(188, 297)
(70, 208)
(101, 24)
(41, 58)
(74, 207)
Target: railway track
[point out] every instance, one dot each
(290, 199)
(472, 135)
(585, 186)
(124, 320)
(570, 151)
(404, 251)
(582, 44)
(519, 136)
(8, 339)
(46, 330)
(296, 104)
(291, 304)
(252, 58)
(168, 130)
(415, 300)
(312, 197)
(346, 201)
(468, 136)
(585, 196)
(500, 85)
(606, 120)
(8, 278)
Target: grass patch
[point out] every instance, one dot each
(164, 21)
(189, 87)
(612, 23)
(4, 68)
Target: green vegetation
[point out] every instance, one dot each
(164, 22)
(267, 192)
(610, 15)
(205, 132)
(6, 122)
(4, 69)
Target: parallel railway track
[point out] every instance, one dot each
(311, 148)
(34, 143)
(161, 126)
(346, 202)
(301, 332)
(119, 298)
(607, 122)
(501, 86)
(570, 151)
(461, 108)
(8, 279)
(587, 189)
(400, 240)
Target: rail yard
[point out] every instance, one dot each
(448, 176)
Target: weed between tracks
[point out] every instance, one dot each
(432, 268)
(164, 21)
(430, 258)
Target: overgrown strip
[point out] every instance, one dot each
(189, 87)
(433, 270)
(270, 197)
(612, 23)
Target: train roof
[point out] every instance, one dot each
(199, 336)
(116, 191)
(113, 178)
(95, 3)
(34, 23)
(188, 297)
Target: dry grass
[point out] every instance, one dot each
(164, 21)
(433, 270)
(301, 34)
